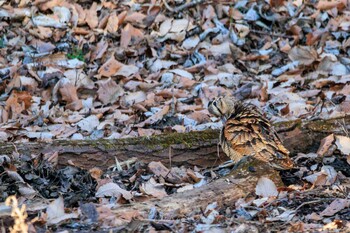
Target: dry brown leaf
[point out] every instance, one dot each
(327, 5)
(155, 118)
(113, 190)
(130, 33)
(148, 132)
(235, 13)
(45, 5)
(51, 157)
(17, 102)
(110, 67)
(91, 16)
(69, 94)
(200, 116)
(100, 50)
(79, 78)
(168, 93)
(109, 91)
(276, 3)
(336, 206)
(263, 95)
(113, 23)
(81, 13)
(325, 145)
(135, 17)
(327, 176)
(151, 187)
(184, 108)
(158, 169)
(305, 55)
(332, 226)
(132, 98)
(96, 173)
(313, 37)
(29, 83)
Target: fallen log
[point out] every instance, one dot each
(193, 148)
(224, 191)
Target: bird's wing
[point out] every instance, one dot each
(250, 134)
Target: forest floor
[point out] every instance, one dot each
(90, 70)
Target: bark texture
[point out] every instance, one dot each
(225, 191)
(194, 148)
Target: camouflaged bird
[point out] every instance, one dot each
(246, 132)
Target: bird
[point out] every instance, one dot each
(247, 133)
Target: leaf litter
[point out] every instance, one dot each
(70, 69)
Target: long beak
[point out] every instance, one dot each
(223, 119)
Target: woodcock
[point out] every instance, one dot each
(246, 132)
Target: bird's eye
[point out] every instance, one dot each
(215, 104)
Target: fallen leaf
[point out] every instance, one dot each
(47, 21)
(69, 94)
(343, 144)
(151, 187)
(56, 214)
(17, 102)
(113, 23)
(266, 188)
(113, 190)
(91, 16)
(286, 216)
(158, 169)
(336, 206)
(99, 50)
(130, 34)
(327, 5)
(109, 91)
(110, 67)
(89, 123)
(327, 176)
(96, 173)
(155, 117)
(325, 144)
(305, 55)
(133, 98)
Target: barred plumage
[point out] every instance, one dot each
(246, 132)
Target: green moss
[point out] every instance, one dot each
(287, 124)
(151, 142)
(76, 53)
(322, 125)
(165, 141)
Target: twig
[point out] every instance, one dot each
(182, 7)
(170, 156)
(158, 220)
(119, 165)
(271, 34)
(313, 202)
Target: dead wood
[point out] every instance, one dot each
(193, 148)
(225, 191)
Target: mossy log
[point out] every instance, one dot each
(193, 148)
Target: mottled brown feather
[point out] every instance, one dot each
(247, 132)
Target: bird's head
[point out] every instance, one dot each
(223, 106)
